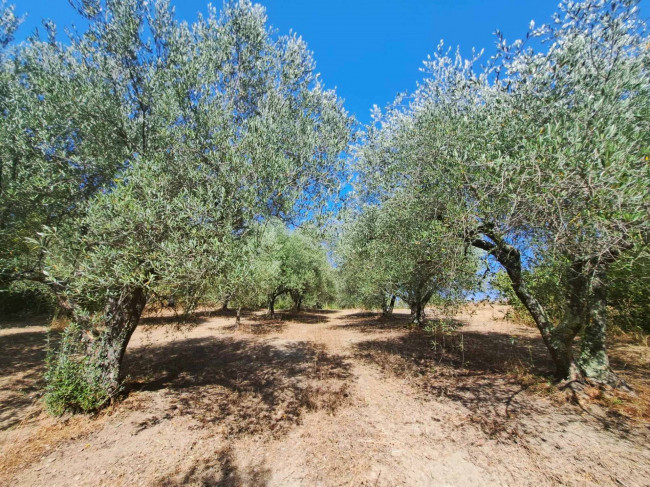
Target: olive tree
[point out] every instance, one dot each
(399, 249)
(299, 268)
(540, 156)
(58, 144)
(250, 270)
(309, 272)
(366, 280)
(216, 126)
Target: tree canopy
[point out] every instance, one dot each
(148, 160)
(151, 149)
(538, 157)
(398, 249)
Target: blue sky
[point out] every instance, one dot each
(370, 50)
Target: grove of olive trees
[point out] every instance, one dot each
(147, 160)
(398, 250)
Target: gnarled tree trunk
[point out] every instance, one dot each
(272, 306)
(121, 317)
(416, 313)
(297, 300)
(593, 360)
(238, 318)
(585, 312)
(387, 306)
(418, 302)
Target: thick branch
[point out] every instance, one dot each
(510, 258)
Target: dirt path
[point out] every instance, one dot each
(324, 398)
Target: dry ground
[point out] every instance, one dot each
(325, 398)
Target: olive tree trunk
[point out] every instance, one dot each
(387, 306)
(417, 311)
(121, 317)
(417, 304)
(593, 359)
(297, 300)
(586, 299)
(391, 305)
(238, 318)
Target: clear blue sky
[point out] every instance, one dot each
(368, 49)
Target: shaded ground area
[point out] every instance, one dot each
(326, 398)
(22, 363)
(238, 384)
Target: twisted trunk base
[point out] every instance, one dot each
(586, 313)
(417, 314)
(122, 315)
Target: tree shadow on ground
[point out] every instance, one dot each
(259, 326)
(161, 318)
(245, 386)
(372, 322)
(363, 314)
(307, 317)
(22, 364)
(24, 320)
(632, 361)
(485, 372)
(219, 471)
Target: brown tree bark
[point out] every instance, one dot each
(387, 306)
(121, 317)
(272, 306)
(418, 304)
(593, 359)
(585, 312)
(297, 300)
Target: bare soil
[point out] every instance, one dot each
(326, 398)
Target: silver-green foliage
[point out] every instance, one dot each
(538, 156)
(236, 120)
(146, 152)
(273, 262)
(400, 249)
(294, 263)
(73, 382)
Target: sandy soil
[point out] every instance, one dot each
(322, 398)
